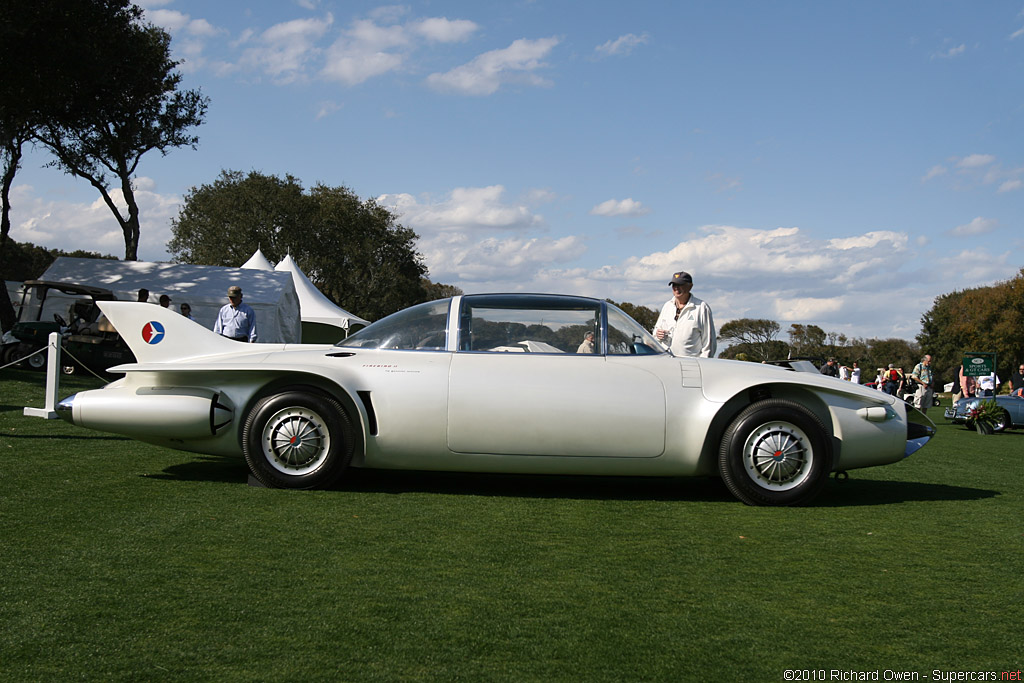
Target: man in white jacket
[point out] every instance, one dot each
(686, 325)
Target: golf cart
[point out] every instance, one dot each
(87, 339)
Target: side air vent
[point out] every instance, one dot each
(364, 396)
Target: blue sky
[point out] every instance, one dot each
(840, 164)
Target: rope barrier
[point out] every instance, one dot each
(34, 353)
(64, 350)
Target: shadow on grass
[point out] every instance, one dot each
(68, 437)
(858, 492)
(848, 493)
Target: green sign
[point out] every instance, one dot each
(979, 364)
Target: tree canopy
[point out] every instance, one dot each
(647, 317)
(92, 83)
(353, 250)
(981, 319)
(756, 337)
(136, 108)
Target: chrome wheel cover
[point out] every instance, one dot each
(777, 456)
(296, 440)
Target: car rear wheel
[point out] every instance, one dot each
(775, 452)
(1003, 423)
(298, 439)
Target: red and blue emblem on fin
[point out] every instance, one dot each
(152, 332)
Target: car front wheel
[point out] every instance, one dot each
(775, 452)
(298, 439)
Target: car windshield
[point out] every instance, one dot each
(421, 327)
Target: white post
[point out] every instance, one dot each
(52, 380)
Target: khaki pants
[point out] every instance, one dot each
(923, 398)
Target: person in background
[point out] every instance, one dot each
(830, 368)
(844, 373)
(957, 393)
(921, 378)
(186, 310)
(855, 373)
(236, 320)
(988, 384)
(968, 385)
(165, 301)
(893, 379)
(1017, 379)
(588, 344)
(143, 296)
(686, 325)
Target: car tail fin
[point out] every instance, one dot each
(157, 334)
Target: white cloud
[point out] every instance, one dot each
(622, 45)
(868, 240)
(283, 50)
(91, 226)
(978, 226)
(501, 263)
(485, 74)
(443, 30)
(172, 20)
(466, 208)
(933, 172)
(806, 308)
(1011, 185)
(973, 161)
(371, 48)
(1017, 34)
(327, 108)
(623, 207)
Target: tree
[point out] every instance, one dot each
(354, 251)
(50, 77)
(881, 352)
(135, 107)
(757, 336)
(807, 341)
(647, 317)
(223, 223)
(979, 319)
(26, 261)
(434, 290)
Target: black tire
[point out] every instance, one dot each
(775, 452)
(1003, 423)
(298, 439)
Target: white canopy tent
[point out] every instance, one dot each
(317, 308)
(258, 261)
(271, 294)
(323, 321)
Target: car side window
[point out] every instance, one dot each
(494, 325)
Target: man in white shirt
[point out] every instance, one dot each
(987, 385)
(686, 325)
(236, 320)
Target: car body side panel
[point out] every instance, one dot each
(539, 404)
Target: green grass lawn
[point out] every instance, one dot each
(122, 561)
